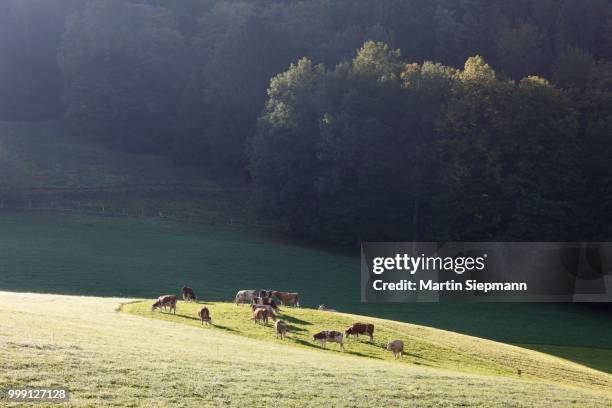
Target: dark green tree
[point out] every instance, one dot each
(123, 65)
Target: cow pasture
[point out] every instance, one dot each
(144, 258)
(110, 358)
(424, 347)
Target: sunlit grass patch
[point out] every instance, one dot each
(424, 347)
(109, 358)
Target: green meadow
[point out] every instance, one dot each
(132, 357)
(425, 347)
(131, 257)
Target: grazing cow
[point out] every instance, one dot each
(246, 296)
(204, 314)
(261, 301)
(163, 301)
(331, 336)
(188, 294)
(361, 328)
(281, 329)
(261, 315)
(397, 348)
(286, 297)
(267, 307)
(324, 308)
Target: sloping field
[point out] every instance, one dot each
(110, 358)
(143, 258)
(425, 346)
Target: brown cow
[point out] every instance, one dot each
(361, 328)
(163, 301)
(331, 336)
(188, 294)
(204, 314)
(261, 315)
(281, 329)
(267, 307)
(286, 297)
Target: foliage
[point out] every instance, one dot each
(219, 55)
(123, 65)
(409, 151)
(458, 138)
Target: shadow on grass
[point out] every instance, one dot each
(330, 346)
(226, 328)
(291, 319)
(307, 343)
(593, 357)
(292, 328)
(184, 316)
(357, 353)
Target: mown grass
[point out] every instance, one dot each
(106, 358)
(424, 346)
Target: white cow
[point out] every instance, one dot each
(397, 348)
(245, 295)
(329, 335)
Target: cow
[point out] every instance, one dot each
(163, 301)
(262, 301)
(204, 314)
(331, 336)
(265, 293)
(361, 328)
(245, 295)
(188, 294)
(324, 308)
(261, 315)
(397, 348)
(281, 329)
(267, 307)
(286, 297)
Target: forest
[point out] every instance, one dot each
(349, 120)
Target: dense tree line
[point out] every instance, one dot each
(349, 145)
(30, 78)
(379, 148)
(188, 78)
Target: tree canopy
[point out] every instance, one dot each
(411, 119)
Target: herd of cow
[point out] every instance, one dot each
(264, 304)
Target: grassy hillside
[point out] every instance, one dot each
(109, 256)
(425, 346)
(118, 359)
